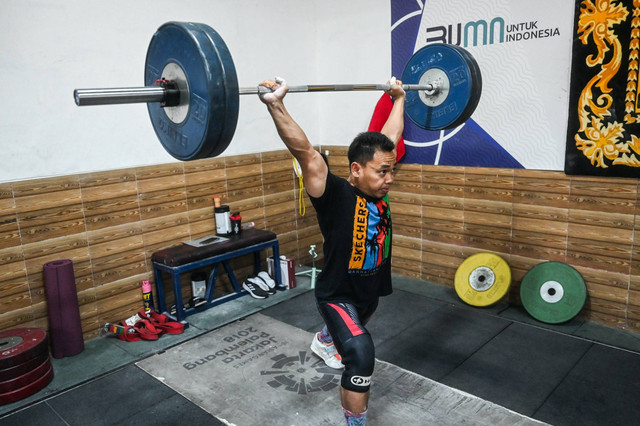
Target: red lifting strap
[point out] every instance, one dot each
(380, 116)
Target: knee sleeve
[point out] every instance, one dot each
(358, 357)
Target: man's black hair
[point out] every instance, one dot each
(365, 145)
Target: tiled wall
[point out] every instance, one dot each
(442, 215)
(110, 223)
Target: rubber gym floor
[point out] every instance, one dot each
(577, 373)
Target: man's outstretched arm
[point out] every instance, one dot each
(394, 126)
(314, 168)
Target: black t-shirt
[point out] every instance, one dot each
(357, 244)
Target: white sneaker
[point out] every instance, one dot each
(328, 353)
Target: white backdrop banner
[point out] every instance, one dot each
(524, 53)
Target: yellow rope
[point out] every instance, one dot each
(301, 207)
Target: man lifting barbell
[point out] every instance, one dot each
(355, 221)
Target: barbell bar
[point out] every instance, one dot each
(192, 94)
(130, 95)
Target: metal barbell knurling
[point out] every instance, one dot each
(130, 95)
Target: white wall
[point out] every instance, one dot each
(51, 47)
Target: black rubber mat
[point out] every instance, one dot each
(127, 397)
(519, 368)
(602, 389)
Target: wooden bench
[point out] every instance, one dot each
(177, 260)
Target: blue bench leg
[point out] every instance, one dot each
(212, 283)
(160, 290)
(177, 291)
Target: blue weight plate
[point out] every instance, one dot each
(464, 87)
(210, 122)
(476, 90)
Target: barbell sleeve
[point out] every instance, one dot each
(131, 95)
(120, 95)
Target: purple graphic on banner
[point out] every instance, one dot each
(468, 145)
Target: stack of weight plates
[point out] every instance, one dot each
(553, 292)
(482, 279)
(25, 367)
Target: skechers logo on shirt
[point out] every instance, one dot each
(359, 234)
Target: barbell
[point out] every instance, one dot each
(192, 94)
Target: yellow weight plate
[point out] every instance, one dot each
(482, 279)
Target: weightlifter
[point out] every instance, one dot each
(355, 221)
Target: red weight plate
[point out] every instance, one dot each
(27, 378)
(30, 389)
(25, 367)
(20, 345)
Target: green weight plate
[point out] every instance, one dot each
(482, 279)
(553, 292)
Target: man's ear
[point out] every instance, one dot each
(356, 169)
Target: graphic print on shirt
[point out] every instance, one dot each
(371, 239)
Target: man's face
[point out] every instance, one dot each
(375, 178)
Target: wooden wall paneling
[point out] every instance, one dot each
(440, 261)
(17, 318)
(161, 190)
(14, 288)
(600, 240)
(519, 266)
(542, 188)
(204, 179)
(202, 223)
(406, 213)
(601, 223)
(539, 232)
(405, 202)
(338, 160)
(487, 225)
(277, 171)
(9, 231)
(244, 178)
(633, 304)
(15, 295)
(482, 183)
(442, 219)
(540, 214)
(612, 195)
(445, 181)
(442, 204)
(607, 294)
(116, 253)
(109, 198)
(164, 232)
(49, 208)
(408, 178)
(407, 256)
(488, 204)
(280, 212)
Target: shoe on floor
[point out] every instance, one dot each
(254, 289)
(271, 284)
(328, 353)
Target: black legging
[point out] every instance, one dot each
(354, 344)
